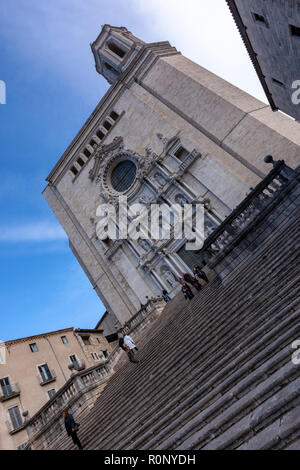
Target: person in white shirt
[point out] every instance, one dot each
(130, 347)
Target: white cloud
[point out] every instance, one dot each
(205, 32)
(57, 34)
(41, 231)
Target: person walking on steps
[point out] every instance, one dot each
(166, 296)
(200, 273)
(192, 280)
(72, 428)
(130, 347)
(187, 291)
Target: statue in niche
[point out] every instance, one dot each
(144, 244)
(209, 227)
(148, 151)
(144, 199)
(181, 199)
(159, 179)
(169, 277)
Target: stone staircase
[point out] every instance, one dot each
(214, 372)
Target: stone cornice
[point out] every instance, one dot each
(42, 335)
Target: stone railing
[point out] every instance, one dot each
(251, 211)
(79, 392)
(83, 388)
(145, 315)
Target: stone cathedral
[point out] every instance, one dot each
(167, 131)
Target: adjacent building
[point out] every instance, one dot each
(167, 131)
(271, 33)
(33, 369)
(108, 323)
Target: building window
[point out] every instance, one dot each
(105, 353)
(181, 153)
(116, 49)
(15, 417)
(110, 67)
(74, 361)
(278, 82)
(6, 387)
(51, 393)
(114, 115)
(86, 340)
(107, 125)
(100, 135)
(64, 340)
(33, 347)
(123, 176)
(294, 30)
(80, 161)
(259, 19)
(87, 153)
(74, 170)
(45, 373)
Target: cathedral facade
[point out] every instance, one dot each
(167, 131)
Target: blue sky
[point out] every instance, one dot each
(52, 87)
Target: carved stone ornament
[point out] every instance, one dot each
(101, 153)
(106, 159)
(168, 276)
(160, 179)
(169, 143)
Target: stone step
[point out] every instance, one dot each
(246, 323)
(193, 377)
(213, 385)
(284, 433)
(276, 406)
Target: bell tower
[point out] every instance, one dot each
(114, 49)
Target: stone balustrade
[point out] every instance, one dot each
(83, 387)
(252, 210)
(145, 315)
(79, 392)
